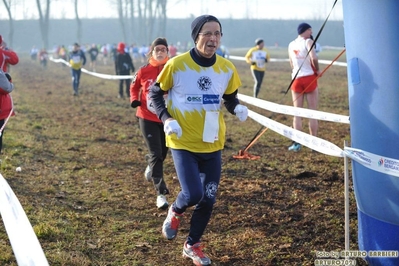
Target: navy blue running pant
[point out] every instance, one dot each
(75, 79)
(199, 177)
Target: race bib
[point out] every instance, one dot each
(211, 127)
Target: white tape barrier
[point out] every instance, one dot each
(325, 62)
(372, 161)
(336, 63)
(25, 245)
(104, 76)
(116, 77)
(241, 58)
(375, 162)
(295, 111)
(303, 138)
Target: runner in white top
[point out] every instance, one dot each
(303, 58)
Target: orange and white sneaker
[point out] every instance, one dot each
(195, 253)
(171, 224)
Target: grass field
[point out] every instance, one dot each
(83, 189)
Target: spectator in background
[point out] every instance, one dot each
(135, 51)
(257, 57)
(305, 70)
(63, 54)
(143, 50)
(150, 125)
(43, 57)
(114, 51)
(93, 52)
(197, 83)
(7, 57)
(77, 60)
(104, 52)
(123, 67)
(172, 50)
(33, 53)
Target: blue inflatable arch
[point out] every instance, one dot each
(372, 48)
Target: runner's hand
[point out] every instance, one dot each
(171, 126)
(241, 112)
(135, 103)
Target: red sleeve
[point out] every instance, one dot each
(10, 57)
(135, 86)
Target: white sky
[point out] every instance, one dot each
(252, 9)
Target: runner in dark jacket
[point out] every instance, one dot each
(123, 66)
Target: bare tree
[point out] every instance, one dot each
(154, 10)
(44, 22)
(7, 4)
(122, 19)
(79, 22)
(150, 13)
(141, 19)
(131, 19)
(161, 9)
(149, 22)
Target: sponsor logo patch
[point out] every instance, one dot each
(211, 99)
(194, 98)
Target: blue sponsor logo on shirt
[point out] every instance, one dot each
(211, 99)
(194, 98)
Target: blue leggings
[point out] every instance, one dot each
(199, 177)
(75, 79)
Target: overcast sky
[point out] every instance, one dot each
(252, 9)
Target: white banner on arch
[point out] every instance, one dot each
(375, 162)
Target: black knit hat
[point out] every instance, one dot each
(258, 41)
(197, 24)
(303, 27)
(159, 41)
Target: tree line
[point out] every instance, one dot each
(149, 12)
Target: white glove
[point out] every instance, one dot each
(172, 127)
(241, 112)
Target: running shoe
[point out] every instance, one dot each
(195, 253)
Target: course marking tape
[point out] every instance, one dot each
(24, 243)
(324, 62)
(104, 76)
(372, 161)
(295, 111)
(303, 138)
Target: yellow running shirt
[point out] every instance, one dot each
(195, 101)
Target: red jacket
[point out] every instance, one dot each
(139, 88)
(6, 57)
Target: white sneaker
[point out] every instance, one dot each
(195, 253)
(147, 174)
(162, 203)
(171, 224)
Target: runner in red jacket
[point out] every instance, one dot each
(151, 127)
(7, 57)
